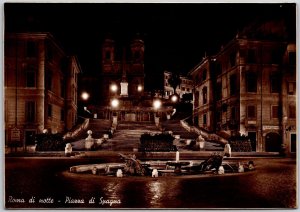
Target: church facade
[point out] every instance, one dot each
(122, 72)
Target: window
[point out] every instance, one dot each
(251, 111)
(204, 119)
(30, 111)
(49, 53)
(62, 115)
(31, 50)
(48, 80)
(292, 88)
(217, 68)
(233, 113)
(137, 55)
(218, 115)
(232, 59)
(293, 142)
(204, 95)
(251, 82)
(196, 102)
(292, 58)
(62, 88)
(276, 112)
(49, 110)
(275, 83)
(107, 55)
(251, 56)
(219, 91)
(204, 74)
(233, 86)
(275, 57)
(30, 79)
(292, 111)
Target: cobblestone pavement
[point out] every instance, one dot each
(48, 181)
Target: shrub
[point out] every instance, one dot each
(49, 142)
(158, 142)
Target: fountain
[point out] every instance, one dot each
(134, 167)
(177, 163)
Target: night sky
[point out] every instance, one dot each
(176, 35)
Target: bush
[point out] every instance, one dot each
(49, 142)
(159, 142)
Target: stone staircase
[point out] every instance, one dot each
(99, 127)
(127, 136)
(177, 129)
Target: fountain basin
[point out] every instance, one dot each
(164, 168)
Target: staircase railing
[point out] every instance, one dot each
(78, 130)
(206, 135)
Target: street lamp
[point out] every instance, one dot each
(139, 88)
(174, 98)
(114, 88)
(85, 96)
(115, 103)
(156, 105)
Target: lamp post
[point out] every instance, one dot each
(139, 88)
(85, 97)
(114, 103)
(174, 98)
(156, 105)
(114, 88)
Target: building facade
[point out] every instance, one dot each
(40, 87)
(249, 88)
(185, 87)
(122, 70)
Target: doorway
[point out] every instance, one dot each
(273, 142)
(252, 137)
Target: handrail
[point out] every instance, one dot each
(209, 136)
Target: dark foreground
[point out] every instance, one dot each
(46, 183)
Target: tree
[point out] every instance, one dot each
(174, 81)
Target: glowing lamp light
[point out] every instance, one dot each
(113, 88)
(85, 96)
(140, 88)
(115, 103)
(174, 98)
(157, 104)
